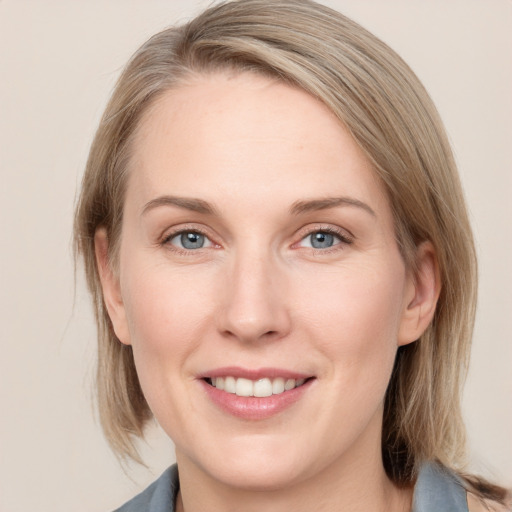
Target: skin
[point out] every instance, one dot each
(258, 295)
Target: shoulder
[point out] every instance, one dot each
(476, 504)
(158, 497)
(439, 489)
(486, 496)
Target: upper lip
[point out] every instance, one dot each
(253, 374)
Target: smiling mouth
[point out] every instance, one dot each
(256, 388)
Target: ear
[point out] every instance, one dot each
(421, 294)
(111, 287)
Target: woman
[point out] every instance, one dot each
(277, 245)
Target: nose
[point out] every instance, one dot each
(254, 300)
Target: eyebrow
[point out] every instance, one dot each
(201, 206)
(187, 203)
(329, 202)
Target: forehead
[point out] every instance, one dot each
(243, 135)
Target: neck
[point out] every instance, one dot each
(384, 496)
(354, 483)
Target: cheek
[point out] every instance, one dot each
(355, 315)
(166, 310)
(168, 315)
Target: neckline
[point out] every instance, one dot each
(437, 489)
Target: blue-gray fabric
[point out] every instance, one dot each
(160, 496)
(436, 490)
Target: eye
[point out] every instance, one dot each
(189, 240)
(323, 239)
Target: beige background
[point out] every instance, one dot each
(58, 62)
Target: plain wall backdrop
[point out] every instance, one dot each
(59, 60)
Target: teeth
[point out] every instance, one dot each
(263, 387)
(277, 386)
(244, 387)
(258, 388)
(230, 385)
(289, 384)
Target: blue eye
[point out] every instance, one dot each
(190, 240)
(323, 239)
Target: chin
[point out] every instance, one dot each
(261, 475)
(253, 464)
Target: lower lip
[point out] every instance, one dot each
(254, 408)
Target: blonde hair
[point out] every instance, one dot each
(390, 115)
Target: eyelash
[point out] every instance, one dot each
(182, 230)
(344, 239)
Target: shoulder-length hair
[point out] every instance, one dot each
(390, 116)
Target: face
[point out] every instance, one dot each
(259, 284)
